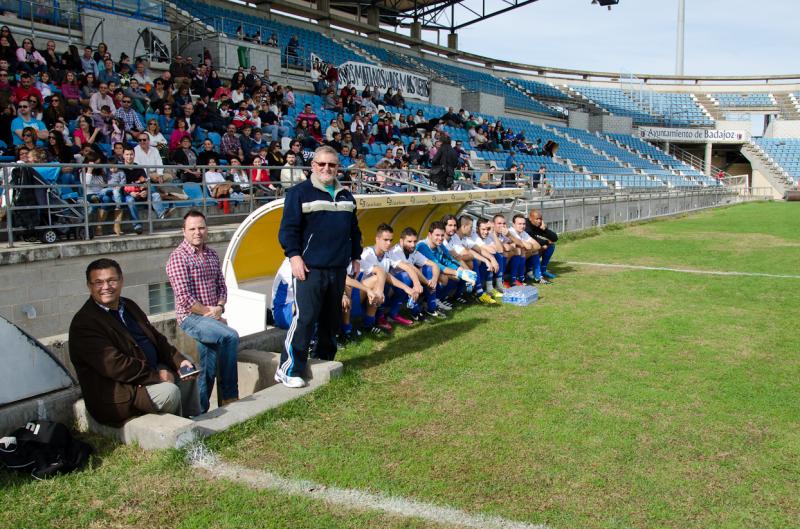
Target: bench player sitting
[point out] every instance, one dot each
(427, 272)
(432, 247)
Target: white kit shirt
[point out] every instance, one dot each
(399, 255)
(521, 236)
(369, 260)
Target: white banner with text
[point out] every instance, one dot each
(380, 79)
(694, 135)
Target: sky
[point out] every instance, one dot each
(722, 37)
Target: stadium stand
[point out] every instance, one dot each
(732, 100)
(484, 82)
(785, 152)
(647, 108)
(229, 21)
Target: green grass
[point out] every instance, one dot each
(624, 398)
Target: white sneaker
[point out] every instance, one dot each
(289, 382)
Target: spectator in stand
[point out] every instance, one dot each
(166, 118)
(178, 134)
(147, 155)
(8, 53)
(25, 120)
(136, 190)
(195, 274)
(159, 96)
(185, 155)
(302, 133)
(109, 74)
(142, 75)
(100, 98)
(179, 70)
(30, 60)
(272, 41)
(71, 91)
(45, 85)
(57, 149)
(398, 100)
(55, 112)
(157, 139)
(230, 146)
(139, 98)
(101, 53)
(444, 164)
(316, 132)
(207, 153)
(131, 118)
(215, 181)
(26, 88)
(292, 52)
(85, 133)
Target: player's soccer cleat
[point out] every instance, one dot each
(486, 299)
(399, 320)
(443, 305)
(462, 300)
(497, 294)
(286, 380)
(506, 284)
(542, 281)
(518, 283)
(418, 317)
(435, 314)
(548, 275)
(377, 331)
(383, 323)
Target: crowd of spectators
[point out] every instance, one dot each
(85, 105)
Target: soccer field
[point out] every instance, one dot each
(626, 397)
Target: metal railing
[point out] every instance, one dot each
(144, 9)
(71, 210)
(46, 12)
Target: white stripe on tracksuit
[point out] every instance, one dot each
(290, 334)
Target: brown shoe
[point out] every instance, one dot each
(225, 402)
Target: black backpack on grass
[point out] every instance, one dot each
(43, 448)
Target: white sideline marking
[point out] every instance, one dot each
(358, 500)
(683, 270)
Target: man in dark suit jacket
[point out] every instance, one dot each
(125, 366)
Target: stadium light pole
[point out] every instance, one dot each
(679, 47)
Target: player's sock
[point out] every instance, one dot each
(537, 270)
(347, 329)
(515, 264)
(369, 322)
(547, 255)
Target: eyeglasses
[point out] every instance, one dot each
(332, 165)
(24, 106)
(98, 283)
(143, 140)
(128, 101)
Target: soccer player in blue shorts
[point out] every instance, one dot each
(432, 247)
(406, 250)
(527, 247)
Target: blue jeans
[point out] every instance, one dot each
(216, 346)
(155, 199)
(276, 131)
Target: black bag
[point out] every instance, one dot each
(43, 448)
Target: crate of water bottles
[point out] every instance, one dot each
(521, 296)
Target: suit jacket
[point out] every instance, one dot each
(112, 369)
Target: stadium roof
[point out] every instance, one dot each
(448, 15)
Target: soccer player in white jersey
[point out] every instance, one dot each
(471, 250)
(504, 248)
(374, 297)
(492, 276)
(526, 248)
(432, 247)
(374, 258)
(406, 250)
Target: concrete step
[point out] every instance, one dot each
(258, 393)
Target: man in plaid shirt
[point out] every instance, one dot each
(133, 123)
(195, 274)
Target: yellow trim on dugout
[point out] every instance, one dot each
(254, 251)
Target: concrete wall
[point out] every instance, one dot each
(483, 103)
(445, 95)
(50, 278)
(783, 129)
(121, 32)
(224, 52)
(616, 124)
(579, 120)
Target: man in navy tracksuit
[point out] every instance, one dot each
(320, 236)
